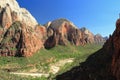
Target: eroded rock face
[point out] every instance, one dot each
(98, 38)
(11, 12)
(27, 37)
(20, 40)
(63, 32)
(102, 65)
(88, 36)
(20, 34)
(42, 32)
(113, 47)
(6, 18)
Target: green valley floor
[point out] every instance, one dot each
(45, 64)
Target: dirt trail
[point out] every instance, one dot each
(31, 74)
(54, 68)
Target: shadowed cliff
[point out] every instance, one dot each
(96, 67)
(102, 65)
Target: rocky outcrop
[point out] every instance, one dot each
(47, 24)
(11, 12)
(20, 40)
(6, 18)
(88, 36)
(42, 32)
(20, 34)
(112, 46)
(99, 39)
(96, 67)
(63, 32)
(102, 65)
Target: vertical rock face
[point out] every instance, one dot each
(102, 65)
(98, 38)
(113, 47)
(88, 36)
(10, 11)
(42, 32)
(63, 32)
(20, 34)
(20, 40)
(6, 18)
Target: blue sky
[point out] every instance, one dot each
(99, 16)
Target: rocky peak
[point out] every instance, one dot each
(62, 32)
(88, 36)
(83, 29)
(12, 3)
(20, 34)
(98, 35)
(47, 24)
(99, 39)
(86, 31)
(59, 22)
(112, 46)
(115, 43)
(11, 10)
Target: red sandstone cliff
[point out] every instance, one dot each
(113, 47)
(63, 32)
(20, 34)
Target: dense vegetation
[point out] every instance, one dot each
(41, 61)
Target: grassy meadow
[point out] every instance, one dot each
(40, 62)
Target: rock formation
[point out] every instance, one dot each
(112, 46)
(63, 32)
(96, 67)
(99, 39)
(102, 65)
(20, 40)
(20, 34)
(88, 36)
(10, 12)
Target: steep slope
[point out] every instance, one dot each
(88, 36)
(98, 38)
(20, 40)
(20, 34)
(63, 32)
(10, 12)
(96, 67)
(113, 47)
(102, 65)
